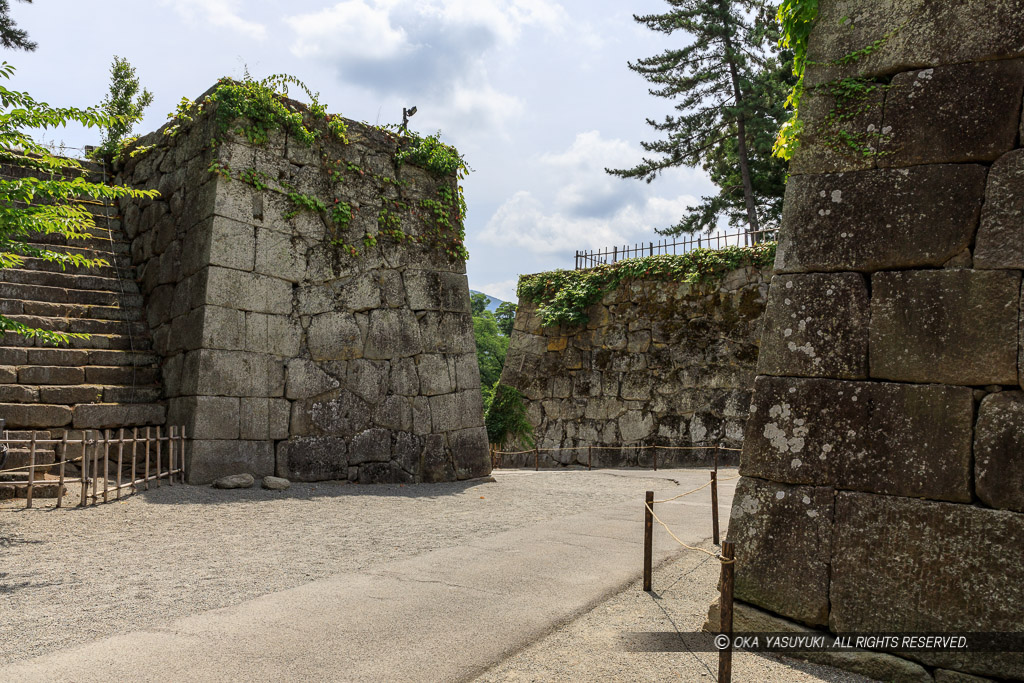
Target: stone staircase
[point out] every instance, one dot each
(109, 380)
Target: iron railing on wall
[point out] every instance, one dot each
(745, 238)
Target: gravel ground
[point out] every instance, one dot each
(74, 575)
(594, 646)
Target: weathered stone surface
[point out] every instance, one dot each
(889, 438)
(436, 462)
(247, 291)
(373, 445)
(206, 459)
(966, 564)
(915, 34)
(957, 113)
(104, 415)
(469, 452)
(335, 336)
(821, 148)
(392, 333)
(433, 290)
(874, 665)
(783, 532)
(948, 326)
(1000, 242)
(315, 458)
(305, 379)
(457, 410)
(233, 373)
(206, 417)
(276, 483)
(816, 325)
(946, 676)
(883, 218)
(18, 415)
(234, 481)
(999, 451)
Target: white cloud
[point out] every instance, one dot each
(220, 13)
(431, 50)
(504, 289)
(588, 208)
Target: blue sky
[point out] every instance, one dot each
(535, 93)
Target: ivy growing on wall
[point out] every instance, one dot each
(563, 296)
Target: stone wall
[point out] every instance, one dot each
(883, 474)
(658, 363)
(293, 343)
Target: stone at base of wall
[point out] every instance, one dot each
(208, 459)
(876, 665)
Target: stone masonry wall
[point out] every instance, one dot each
(883, 470)
(659, 363)
(283, 352)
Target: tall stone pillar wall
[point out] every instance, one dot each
(657, 364)
(883, 470)
(298, 341)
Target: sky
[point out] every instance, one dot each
(536, 94)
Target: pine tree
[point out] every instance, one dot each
(729, 92)
(12, 37)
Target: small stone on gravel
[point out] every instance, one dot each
(235, 481)
(276, 483)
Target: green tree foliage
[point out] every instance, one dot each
(491, 347)
(506, 317)
(478, 302)
(123, 105)
(506, 419)
(725, 84)
(12, 37)
(31, 205)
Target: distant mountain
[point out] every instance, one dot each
(494, 303)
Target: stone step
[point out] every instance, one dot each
(100, 239)
(120, 249)
(83, 416)
(63, 295)
(19, 434)
(22, 456)
(79, 393)
(12, 356)
(67, 280)
(120, 266)
(49, 488)
(83, 325)
(95, 341)
(124, 375)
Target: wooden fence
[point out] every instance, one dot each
(597, 257)
(102, 451)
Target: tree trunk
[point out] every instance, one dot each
(741, 146)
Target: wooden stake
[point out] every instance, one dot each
(135, 440)
(536, 459)
(655, 458)
(31, 472)
(120, 459)
(63, 461)
(589, 461)
(95, 470)
(725, 609)
(85, 468)
(158, 456)
(106, 462)
(714, 506)
(170, 456)
(181, 453)
(648, 537)
(146, 447)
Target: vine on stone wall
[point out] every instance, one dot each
(563, 296)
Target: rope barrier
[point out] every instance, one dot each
(40, 465)
(717, 556)
(620, 448)
(669, 500)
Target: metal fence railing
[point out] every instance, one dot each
(745, 238)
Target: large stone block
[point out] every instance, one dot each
(430, 290)
(947, 326)
(392, 333)
(458, 410)
(816, 325)
(209, 372)
(913, 34)
(877, 219)
(435, 374)
(205, 417)
(372, 445)
(340, 413)
(999, 451)
(305, 379)
(822, 147)
(263, 418)
(206, 460)
(898, 439)
(949, 114)
(783, 537)
(447, 332)
(232, 244)
(280, 255)
(334, 336)
(1000, 242)
(220, 328)
(247, 291)
(110, 415)
(18, 415)
(470, 453)
(314, 458)
(903, 565)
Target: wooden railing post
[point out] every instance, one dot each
(648, 537)
(31, 471)
(725, 610)
(714, 506)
